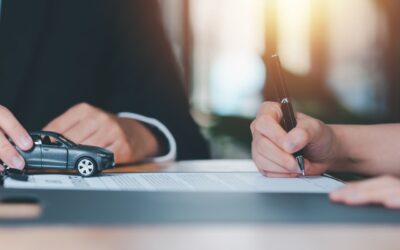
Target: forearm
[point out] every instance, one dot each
(367, 149)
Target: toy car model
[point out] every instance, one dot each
(52, 150)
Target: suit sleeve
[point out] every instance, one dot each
(145, 76)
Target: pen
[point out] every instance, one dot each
(288, 120)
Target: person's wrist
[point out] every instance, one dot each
(148, 144)
(162, 141)
(340, 155)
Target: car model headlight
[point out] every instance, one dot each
(102, 155)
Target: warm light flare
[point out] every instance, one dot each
(294, 35)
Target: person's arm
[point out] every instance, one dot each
(144, 81)
(368, 149)
(365, 149)
(128, 138)
(166, 143)
(146, 78)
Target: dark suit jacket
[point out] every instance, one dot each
(112, 54)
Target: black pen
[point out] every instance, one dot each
(288, 120)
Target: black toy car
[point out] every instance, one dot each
(52, 150)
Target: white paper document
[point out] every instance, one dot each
(192, 182)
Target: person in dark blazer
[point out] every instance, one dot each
(72, 66)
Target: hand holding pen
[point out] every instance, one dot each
(288, 117)
(273, 147)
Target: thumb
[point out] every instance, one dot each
(296, 140)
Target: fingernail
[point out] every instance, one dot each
(26, 141)
(18, 162)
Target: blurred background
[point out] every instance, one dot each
(341, 59)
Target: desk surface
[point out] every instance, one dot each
(204, 236)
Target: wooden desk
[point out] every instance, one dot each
(229, 236)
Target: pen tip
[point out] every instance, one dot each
(300, 161)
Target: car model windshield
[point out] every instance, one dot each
(66, 141)
(56, 141)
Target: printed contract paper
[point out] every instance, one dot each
(192, 182)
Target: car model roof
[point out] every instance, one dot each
(49, 133)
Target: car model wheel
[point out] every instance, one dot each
(86, 166)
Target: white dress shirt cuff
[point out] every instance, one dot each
(171, 155)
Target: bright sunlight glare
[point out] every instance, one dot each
(294, 35)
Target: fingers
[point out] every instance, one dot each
(101, 138)
(107, 132)
(281, 161)
(9, 154)
(302, 135)
(267, 122)
(313, 168)
(271, 169)
(80, 124)
(272, 109)
(12, 128)
(9, 126)
(277, 175)
(69, 119)
(271, 146)
(272, 142)
(267, 126)
(85, 124)
(383, 190)
(82, 130)
(123, 153)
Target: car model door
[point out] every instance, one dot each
(54, 153)
(33, 157)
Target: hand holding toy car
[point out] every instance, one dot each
(10, 127)
(127, 138)
(83, 124)
(52, 150)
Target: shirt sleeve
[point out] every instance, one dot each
(171, 154)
